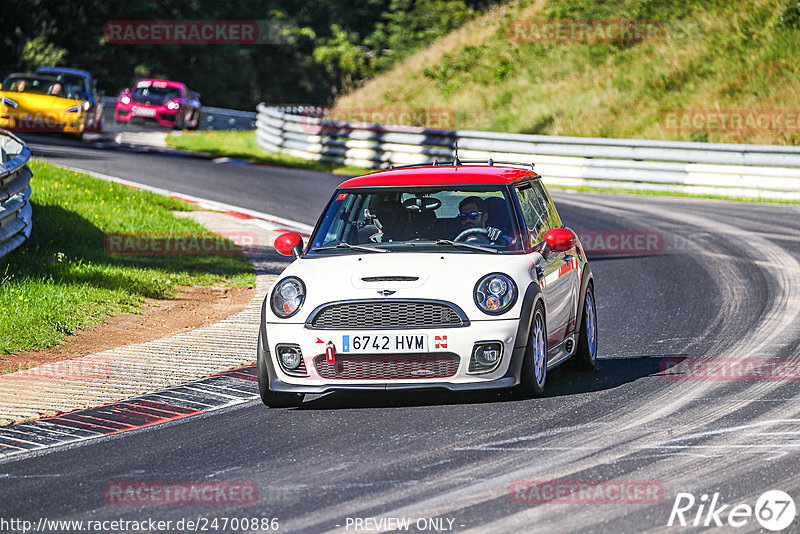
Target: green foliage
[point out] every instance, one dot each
(38, 51)
(409, 25)
(342, 58)
(321, 47)
(791, 15)
(451, 72)
(403, 28)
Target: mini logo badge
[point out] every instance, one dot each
(441, 342)
(386, 292)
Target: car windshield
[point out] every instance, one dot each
(42, 86)
(155, 95)
(459, 219)
(81, 84)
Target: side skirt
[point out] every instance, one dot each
(561, 351)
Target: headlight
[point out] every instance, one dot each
(74, 109)
(173, 105)
(86, 105)
(495, 293)
(8, 102)
(125, 99)
(288, 297)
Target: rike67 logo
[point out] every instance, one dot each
(774, 510)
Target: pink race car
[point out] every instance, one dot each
(168, 103)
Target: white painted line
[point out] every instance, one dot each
(263, 220)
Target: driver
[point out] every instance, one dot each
(473, 214)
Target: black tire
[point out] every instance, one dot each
(272, 399)
(195, 122)
(585, 357)
(532, 382)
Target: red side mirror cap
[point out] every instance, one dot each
(560, 239)
(289, 244)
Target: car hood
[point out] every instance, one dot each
(439, 276)
(42, 103)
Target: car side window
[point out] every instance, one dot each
(534, 210)
(553, 220)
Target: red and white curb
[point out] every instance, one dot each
(229, 388)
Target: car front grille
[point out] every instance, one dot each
(387, 314)
(388, 366)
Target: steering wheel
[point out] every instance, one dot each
(422, 203)
(474, 234)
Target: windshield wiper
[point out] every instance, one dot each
(352, 247)
(453, 244)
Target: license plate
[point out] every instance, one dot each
(388, 343)
(144, 112)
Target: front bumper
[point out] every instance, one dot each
(460, 341)
(163, 116)
(50, 125)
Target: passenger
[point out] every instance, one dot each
(394, 219)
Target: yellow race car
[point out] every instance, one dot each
(40, 103)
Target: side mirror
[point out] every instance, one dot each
(289, 244)
(560, 239)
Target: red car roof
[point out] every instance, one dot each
(441, 175)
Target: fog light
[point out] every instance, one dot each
(486, 356)
(291, 357)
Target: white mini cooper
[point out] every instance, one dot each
(457, 276)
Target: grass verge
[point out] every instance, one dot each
(62, 280)
(242, 145)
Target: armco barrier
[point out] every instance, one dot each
(15, 192)
(727, 169)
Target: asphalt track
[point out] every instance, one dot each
(725, 286)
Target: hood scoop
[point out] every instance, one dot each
(369, 279)
(383, 280)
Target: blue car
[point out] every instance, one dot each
(87, 92)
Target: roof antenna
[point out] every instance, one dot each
(456, 161)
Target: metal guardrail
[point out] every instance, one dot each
(727, 169)
(15, 193)
(210, 118)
